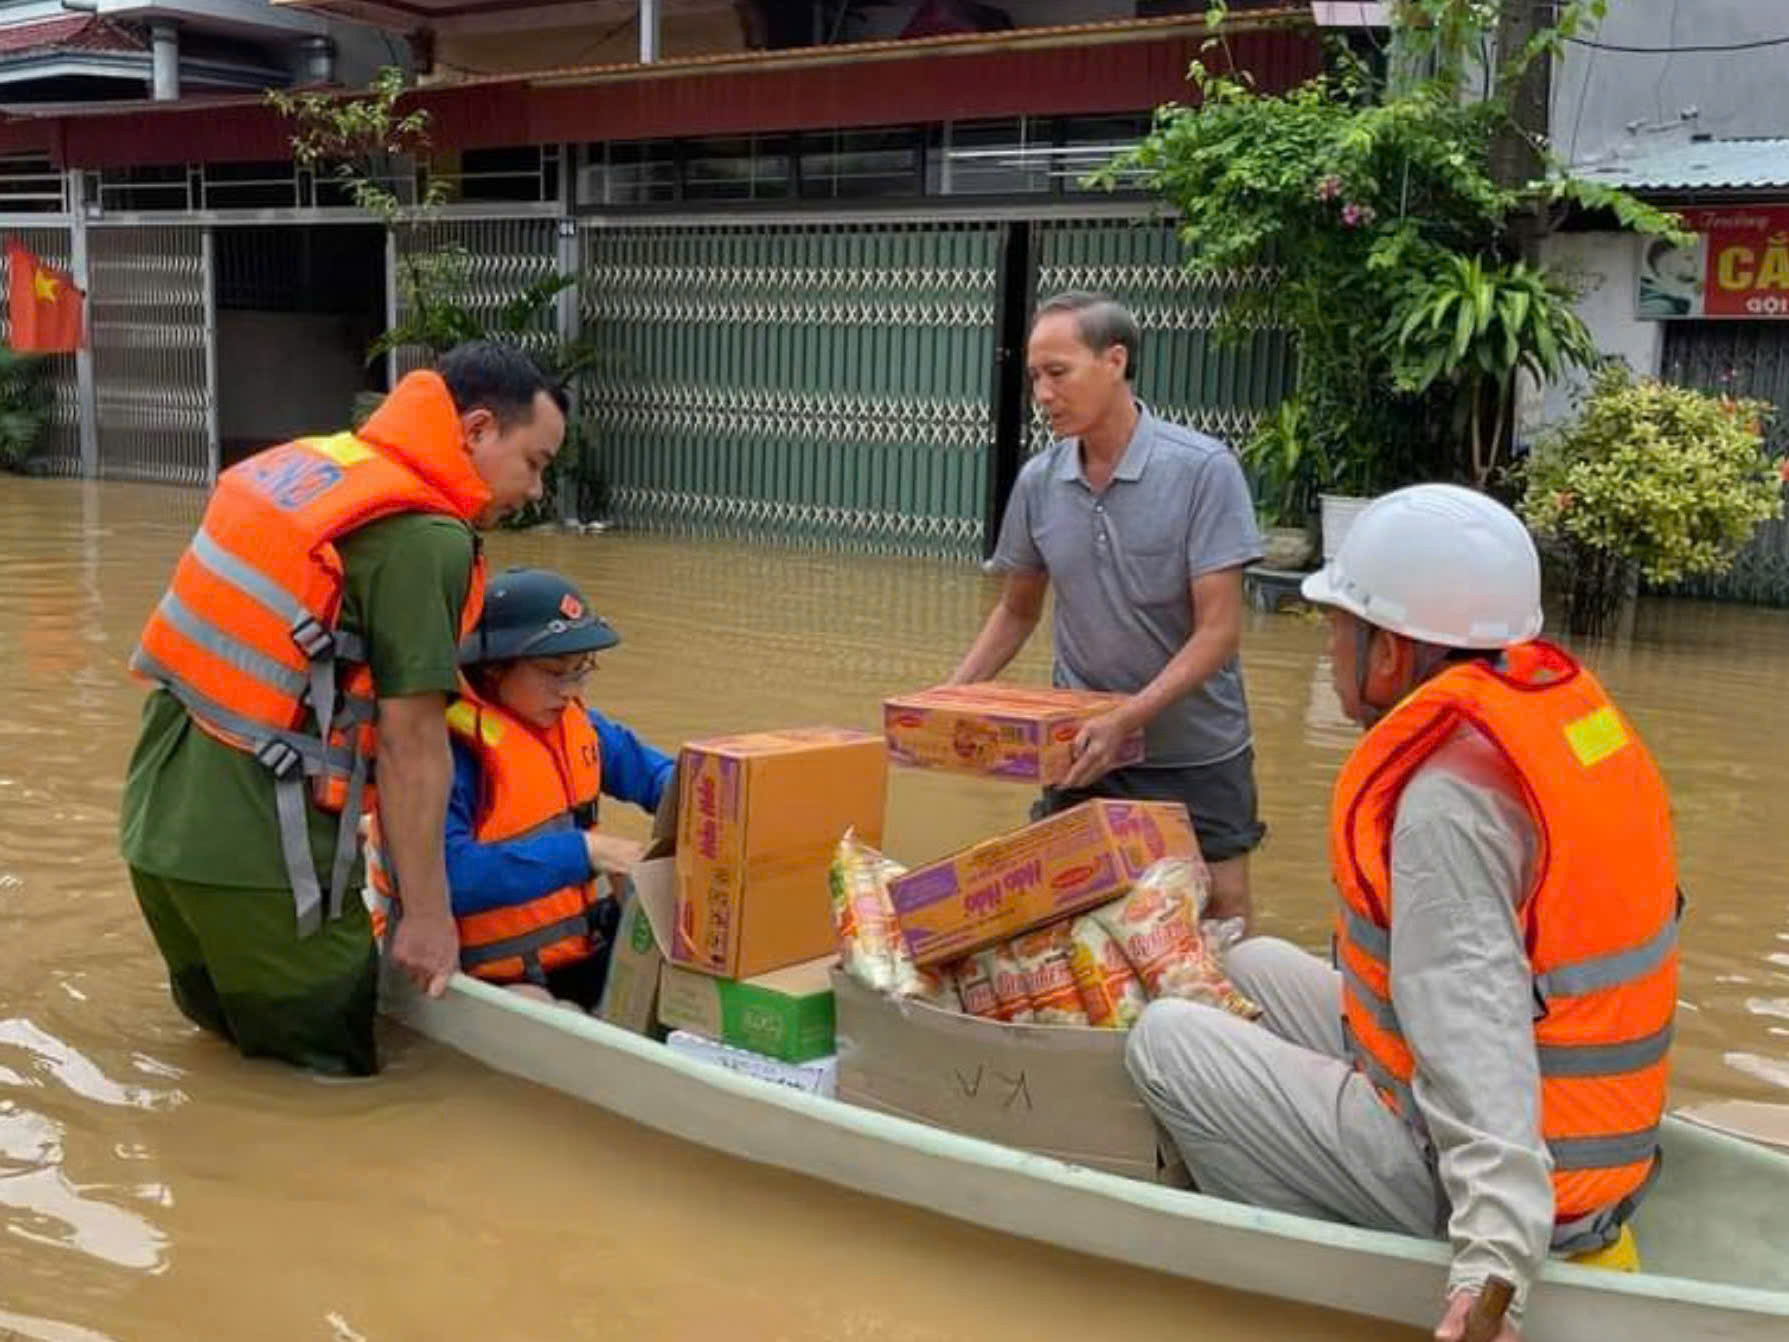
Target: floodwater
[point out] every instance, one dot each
(154, 1186)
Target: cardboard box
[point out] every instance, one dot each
(1001, 887)
(818, 1076)
(1019, 733)
(786, 1014)
(759, 818)
(630, 993)
(648, 899)
(1057, 1090)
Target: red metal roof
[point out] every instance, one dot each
(1035, 72)
(83, 32)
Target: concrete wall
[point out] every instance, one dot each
(285, 374)
(1606, 266)
(1599, 94)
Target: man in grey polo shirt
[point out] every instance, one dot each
(1144, 528)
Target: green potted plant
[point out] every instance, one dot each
(1288, 467)
(1650, 482)
(25, 402)
(1475, 326)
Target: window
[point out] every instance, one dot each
(525, 173)
(742, 167)
(988, 158)
(157, 187)
(861, 164)
(638, 172)
(250, 186)
(29, 184)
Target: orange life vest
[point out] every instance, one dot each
(1600, 922)
(530, 782)
(246, 635)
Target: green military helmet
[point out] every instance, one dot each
(530, 612)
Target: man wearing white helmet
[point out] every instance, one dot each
(1505, 947)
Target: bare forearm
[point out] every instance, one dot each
(415, 778)
(998, 643)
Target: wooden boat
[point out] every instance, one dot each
(1712, 1233)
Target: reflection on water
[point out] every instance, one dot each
(153, 1186)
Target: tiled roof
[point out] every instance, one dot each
(82, 32)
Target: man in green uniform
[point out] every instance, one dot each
(200, 824)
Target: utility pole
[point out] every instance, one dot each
(1516, 153)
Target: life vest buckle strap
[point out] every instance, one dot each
(312, 637)
(280, 759)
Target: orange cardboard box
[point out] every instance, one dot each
(758, 819)
(1021, 733)
(1001, 887)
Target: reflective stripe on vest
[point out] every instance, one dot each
(1608, 971)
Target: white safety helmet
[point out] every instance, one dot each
(1440, 564)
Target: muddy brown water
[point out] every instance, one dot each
(154, 1186)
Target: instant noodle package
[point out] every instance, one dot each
(1098, 969)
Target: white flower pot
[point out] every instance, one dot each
(1339, 512)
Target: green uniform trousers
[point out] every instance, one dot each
(237, 967)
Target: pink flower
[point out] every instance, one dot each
(1329, 188)
(1355, 216)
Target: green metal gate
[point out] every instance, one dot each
(1185, 372)
(822, 383)
(1740, 358)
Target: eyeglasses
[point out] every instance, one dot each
(568, 677)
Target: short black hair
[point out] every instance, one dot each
(1101, 321)
(483, 374)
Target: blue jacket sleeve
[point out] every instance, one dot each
(633, 771)
(482, 876)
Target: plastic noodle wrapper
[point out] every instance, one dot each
(1012, 1000)
(1043, 955)
(1221, 934)
(975, 985)
(1157, 928)
(871, 947)
(1110, 990)
(936, 987)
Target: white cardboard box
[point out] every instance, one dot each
(818, 1077)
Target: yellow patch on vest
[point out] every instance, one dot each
(464, 718)
(1596, 736)
(342, 448)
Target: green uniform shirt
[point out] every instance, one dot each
(198, 810)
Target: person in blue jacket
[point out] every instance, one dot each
(524, 852)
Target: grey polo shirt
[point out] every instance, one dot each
(1122, 562)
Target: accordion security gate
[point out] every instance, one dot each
(1186, 372)
(827, 384)
(499, 259)
(154, 358)
(835, 384)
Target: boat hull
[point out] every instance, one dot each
(1183, 1234)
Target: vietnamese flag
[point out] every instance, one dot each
(43, 304)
